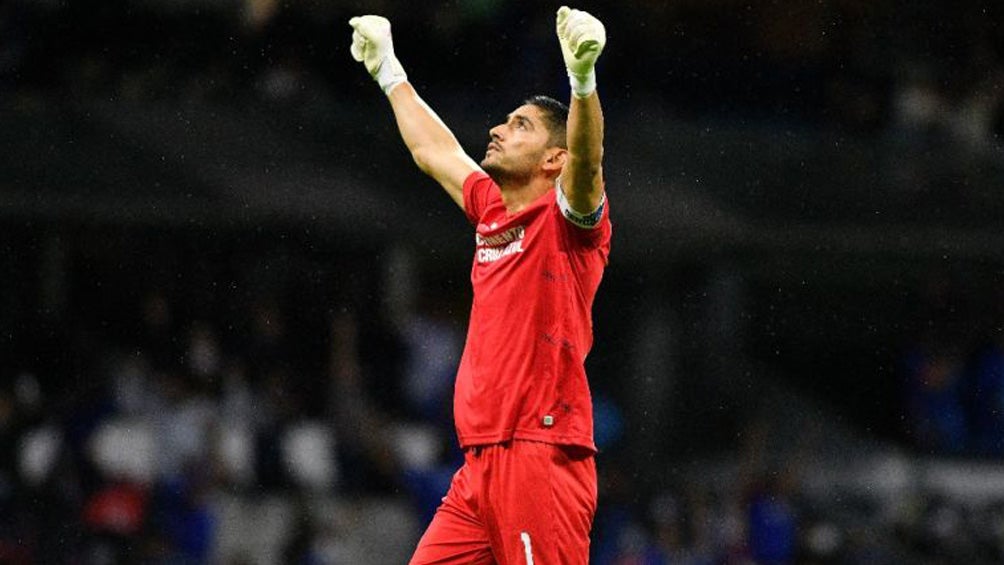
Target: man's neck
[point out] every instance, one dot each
(518, 195)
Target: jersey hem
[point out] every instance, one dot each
(528, 435)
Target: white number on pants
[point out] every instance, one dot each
(527, 548)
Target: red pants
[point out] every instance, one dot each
(515, 503)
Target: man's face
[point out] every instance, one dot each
(517, 147)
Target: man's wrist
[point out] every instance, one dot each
(582, 84)
(390, 74)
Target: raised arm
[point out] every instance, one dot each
(433, 146)
(582, 38)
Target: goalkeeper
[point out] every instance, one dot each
(527, 489)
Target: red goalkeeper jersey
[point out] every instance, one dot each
(535, 275)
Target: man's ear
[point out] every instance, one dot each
(554, 160)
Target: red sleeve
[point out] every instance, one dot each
(589, 238)
(477, 189)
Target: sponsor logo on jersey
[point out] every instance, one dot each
(491, 248)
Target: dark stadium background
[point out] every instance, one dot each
(230, 304)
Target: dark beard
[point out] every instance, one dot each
(502, 176)
(494, 171)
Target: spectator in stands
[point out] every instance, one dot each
(933, 398)
(773, 523)
(987, 398)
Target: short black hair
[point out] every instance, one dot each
(555, 117)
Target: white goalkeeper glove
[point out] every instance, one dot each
(373, 46)
(582, 38)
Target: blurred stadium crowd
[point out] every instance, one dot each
(202, 395)
(863, 66)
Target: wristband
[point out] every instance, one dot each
(390, 74)
(582, 85)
